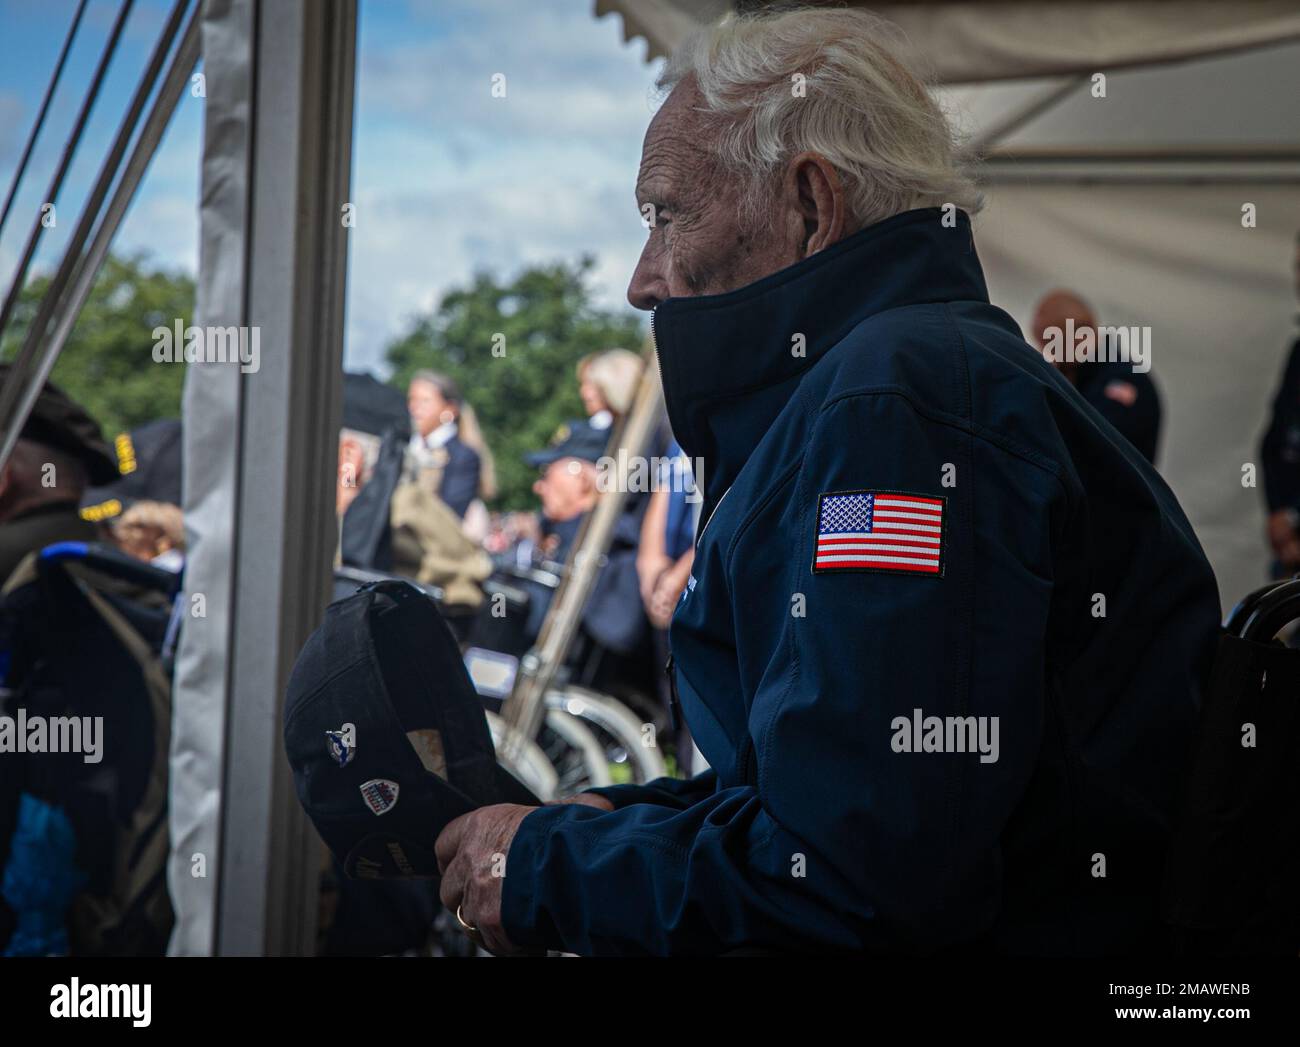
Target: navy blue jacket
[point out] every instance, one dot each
(1073, 603)
(1280, 449)
(613, 616)
(460, 476)
(1126, 398)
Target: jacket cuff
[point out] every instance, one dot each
(519, 914)
(621, 795)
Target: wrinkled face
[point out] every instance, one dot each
(427, 405)
(566, 488)
(697, 244)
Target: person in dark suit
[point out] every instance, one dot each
(1280, 457)
(1123, 395)
(453, 466)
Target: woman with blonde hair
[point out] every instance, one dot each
(607, 383)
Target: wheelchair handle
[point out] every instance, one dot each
(1272, 612)
(113, 563)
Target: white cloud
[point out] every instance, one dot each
(449, 180)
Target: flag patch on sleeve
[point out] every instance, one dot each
(891, 531)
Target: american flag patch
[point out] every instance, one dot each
(890, 531)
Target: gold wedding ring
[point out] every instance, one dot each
(471, 932)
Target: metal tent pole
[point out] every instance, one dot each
(260, 455)
(41, 114)
(36, 357)
(65, 161)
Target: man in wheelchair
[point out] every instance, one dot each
(611, 652)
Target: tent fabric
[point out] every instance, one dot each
(976, 42)
(971, 42)
(663, 24)
(1207, 108)
(211, 408)
(1219, 301)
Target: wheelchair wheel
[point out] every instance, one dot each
(574, 751)
(630, 751)
(534, 769)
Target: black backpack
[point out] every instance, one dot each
(83, 628)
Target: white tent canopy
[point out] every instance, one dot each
(973, 41)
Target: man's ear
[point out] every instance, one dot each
(815, 186)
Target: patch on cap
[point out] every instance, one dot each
(126, 463)
(102, 511)
(342, 744)
(380, 795)
(1121, 391)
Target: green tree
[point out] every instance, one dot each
(512, 348)
(107, 365)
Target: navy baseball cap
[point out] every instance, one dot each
(149, 459)
(386, 735)
(573, 440)
(60, 422)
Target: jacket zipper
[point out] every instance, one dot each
(675, 714)
(709, 519)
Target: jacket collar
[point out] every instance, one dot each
(731, 362)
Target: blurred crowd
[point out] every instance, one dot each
(414, 483)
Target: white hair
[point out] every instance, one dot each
(779, 83)
(616, 373)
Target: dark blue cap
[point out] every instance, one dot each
(573, 439)
(386, 735)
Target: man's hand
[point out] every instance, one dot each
(472, 859)
(649, 569)
(668, 591)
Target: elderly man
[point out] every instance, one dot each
(945, 633)
(567, 486)
(1279, 455)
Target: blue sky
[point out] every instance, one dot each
(446, 179)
